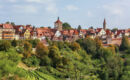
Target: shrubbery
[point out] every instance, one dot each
(85, 59)
(5, 45)
(32, 61)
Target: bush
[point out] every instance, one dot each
(41, 50)
(34, 42)
(14, 43)
(5, 46)
(20, 49)
(27, 49)
(75, 46)
(45, 61)
(124, 44)
(32, 61)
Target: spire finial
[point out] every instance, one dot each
(58, 18)
(104, 24)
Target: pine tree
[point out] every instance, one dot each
(124, 44)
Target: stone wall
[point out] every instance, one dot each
(117, 41)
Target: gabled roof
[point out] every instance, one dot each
(119, 32)
(76, 32)
(6, 26)
(58, 21)
(98, 30)
(108, 32)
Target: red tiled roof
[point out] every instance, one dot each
(45, 32)
(58, 21)
(119, 32)
(108, 32)
(7, 26)
(76, 32)
(98, 29)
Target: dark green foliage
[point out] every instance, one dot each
(20, 49)
(14, 43)
(62, 60)
(27, 49)
(66, 26)
(27, 46)
(114, 29)
(113, 64)
(5, 45)
(54, 54)
(32, 61)
(34, 42)
(124, 44)
(90, 46)
(75, 46)
(45, 61)
(79, 27)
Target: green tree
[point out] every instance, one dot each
(5, 45)
(79, 27)
(54, 54)
(66, 26)
(124, 44)
(90, 46)
(75, 46)
(34, 42)
(98, 43)
(114, 29)
(7, 22)
(14, 43)
(99, 47)
(46, 61)
(12, 23)
(41, 50)
(32, 61)
(27, 49)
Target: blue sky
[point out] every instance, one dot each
(76, 12)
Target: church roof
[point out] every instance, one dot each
(58, 20)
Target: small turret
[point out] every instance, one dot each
(58, 25)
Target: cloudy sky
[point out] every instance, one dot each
(76, 12)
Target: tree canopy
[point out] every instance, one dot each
(66, 26)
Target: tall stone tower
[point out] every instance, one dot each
(104, 24)
(58, 25)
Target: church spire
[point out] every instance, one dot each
(58, 18)
(104, 24)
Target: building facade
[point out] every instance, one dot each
(58, 25)
(7, 32)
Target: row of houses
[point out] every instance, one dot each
(18, 32)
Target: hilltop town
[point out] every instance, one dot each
(21, 32)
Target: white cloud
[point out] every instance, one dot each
(36, 1)
(89, 14)
(50, 5)
(25, 9)
(114, 10)
(52, 9)
(72, 8)
(118, 7)
(12, 1)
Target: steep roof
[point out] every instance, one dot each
(58, 20)
(98, 30)
(108, 32)
(6, 26)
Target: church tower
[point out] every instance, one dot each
(104, 24)
(58, 25)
